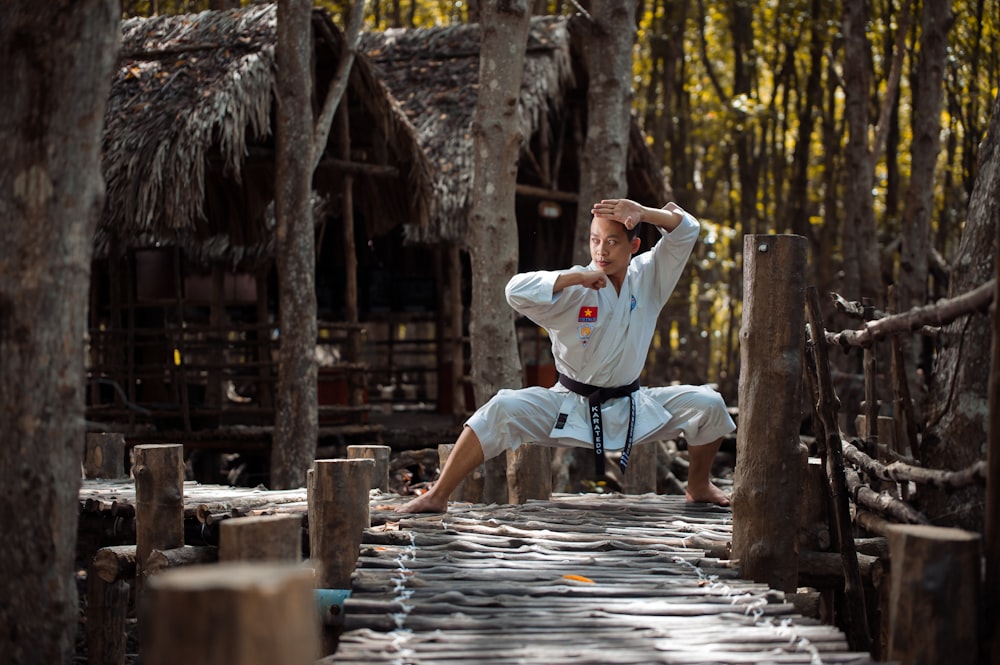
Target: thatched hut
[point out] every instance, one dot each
(434, 74)
(183, 307)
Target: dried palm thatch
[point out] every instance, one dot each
(434, 74)
(188, 145)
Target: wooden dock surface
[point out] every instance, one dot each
(588, 579)
(582, 579)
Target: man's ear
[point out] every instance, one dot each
(636, 242)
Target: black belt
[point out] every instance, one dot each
(595, 397)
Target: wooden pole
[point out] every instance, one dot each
(104, 455)
(159, 501)
(529, 474)
(261, 538)
(107, 610)
(769, 460)
(640, 476)
(855, 616)
(338, 514)
(380, 455)
(934, 595)
(235, 613)
(470, 489)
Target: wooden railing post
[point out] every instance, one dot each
(380, 473)
(769, 459)
(159, 502)
(338, 515)
(934, 594)
(261, 538)
(236, 613)
(104, 455)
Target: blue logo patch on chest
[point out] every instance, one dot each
(632, 304)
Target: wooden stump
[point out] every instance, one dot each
(107, 610)
(262, 538)
(234, 613)
(529, 474)
(380, 474)
(640, 475)
(934, 595)
(159, 501)
(769, 459)
(470, 489)
(104, 455)
(338, 514)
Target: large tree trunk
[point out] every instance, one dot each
(493, 226)
(56, 61)
(607, 56)
(958, 406)
(296, 419)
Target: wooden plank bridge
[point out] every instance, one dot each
(582, 579)
(578, 579)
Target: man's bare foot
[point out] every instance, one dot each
(707, 494)
(425, 503)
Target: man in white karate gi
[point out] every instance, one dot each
(600, 320)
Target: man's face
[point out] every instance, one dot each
(610, 247)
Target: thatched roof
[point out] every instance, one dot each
(188, 146)
(434, 74)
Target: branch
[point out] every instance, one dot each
(881, 502)
(940, 313)
(902, 472)
(321, 131)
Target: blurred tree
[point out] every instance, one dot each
(50, 200)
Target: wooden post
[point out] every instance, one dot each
(640, 476)
(261, 538)
(338, 514)
(769, 460)
(470, 489)
(380, 454)
(104, 455)
(529, 474)
(814, 518)
(855, 614)
(934, 595)
(159, 501)
(107, 609)
(236, 613)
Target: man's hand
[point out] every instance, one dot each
(593, 279)
(625, 211)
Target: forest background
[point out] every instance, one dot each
(778, 116)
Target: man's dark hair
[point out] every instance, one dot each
(633, 232)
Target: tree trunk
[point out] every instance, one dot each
(862, 276)
(56, 61)
(924, 150)
(958, 402)
(296, 418)
(607, 58)
(493, 227)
